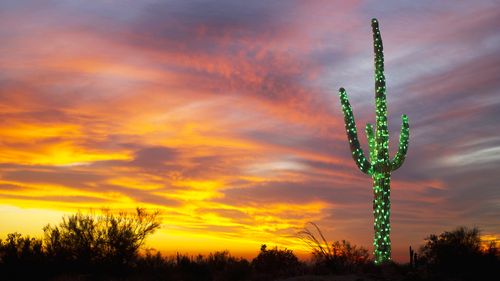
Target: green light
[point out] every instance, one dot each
(381, 166)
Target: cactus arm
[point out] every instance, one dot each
(404, 136)
(382, 133)
(352, 135)
(371, 141)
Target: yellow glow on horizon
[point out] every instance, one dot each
(173, 236)
(489, 239)
(27, 220)
(198, 220)
(171, 242)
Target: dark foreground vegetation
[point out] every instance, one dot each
(106, 247)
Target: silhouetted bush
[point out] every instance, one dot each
(17, 248)
(18, 253)
(225, 267)
(458, 253)
(218, 266)
(89, 240)
(339, 256)
(276, 263)
(86, 247)
(191, 269)
(343, 257)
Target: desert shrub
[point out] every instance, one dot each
(110, 239)
(275, 263)
(225, 267)
(75, 239)
(191, 268)
(124, 234)
(18, 253)
(152, 261)
(18, 248)
(459, 253)
(346, 256)
(153, 266)
(339, 256)
(218, 266)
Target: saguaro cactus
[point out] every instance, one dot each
(380, 166)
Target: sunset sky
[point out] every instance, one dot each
(225, 116)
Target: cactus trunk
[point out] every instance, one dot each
(381, 214)
(380, 166)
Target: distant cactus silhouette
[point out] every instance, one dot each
(412, 260)
(380, 166)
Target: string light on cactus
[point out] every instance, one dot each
(380, 166)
